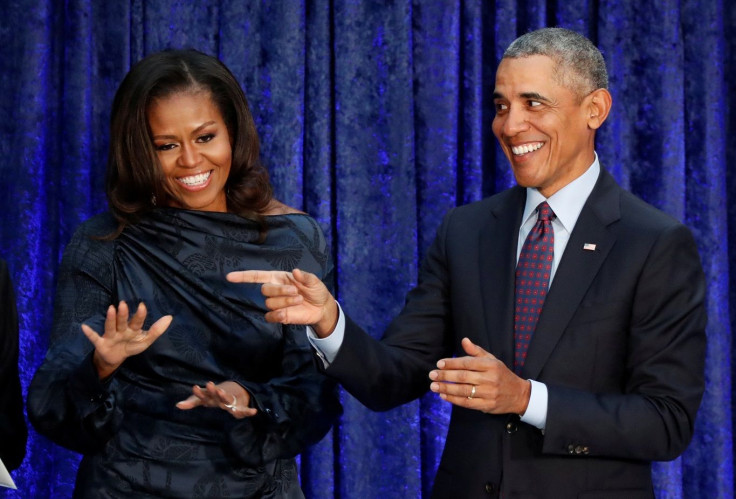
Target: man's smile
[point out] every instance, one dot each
(526, 148)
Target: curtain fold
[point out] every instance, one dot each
(375, 118)
(705, 199)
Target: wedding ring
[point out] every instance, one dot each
(235, 403)
(472, 393)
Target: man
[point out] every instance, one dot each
(575, 401)
(13, 430)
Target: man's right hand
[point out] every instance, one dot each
(296, 297)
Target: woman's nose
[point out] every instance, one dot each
(189, 156)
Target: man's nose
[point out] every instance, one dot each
(516, 121)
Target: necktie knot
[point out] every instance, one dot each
(545, 213)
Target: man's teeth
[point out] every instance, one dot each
(526, 148)
(195, 179)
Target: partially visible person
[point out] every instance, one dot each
(163, 375)
(563, 318)
(13, 431)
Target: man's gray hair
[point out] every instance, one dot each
(579, 64)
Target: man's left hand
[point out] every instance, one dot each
(480, 381)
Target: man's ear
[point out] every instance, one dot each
(598, 103)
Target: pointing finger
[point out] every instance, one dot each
(258, 276)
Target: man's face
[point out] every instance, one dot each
(541, 126)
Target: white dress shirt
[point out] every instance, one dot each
(567, 203)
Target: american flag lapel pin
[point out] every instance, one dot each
(589, 247)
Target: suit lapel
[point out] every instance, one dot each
(497, 262)
(576, 270)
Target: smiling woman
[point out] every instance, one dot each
(193, 148)
(161, 373)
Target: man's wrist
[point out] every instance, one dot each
(327, 324)
(526, 394)
(328, 347)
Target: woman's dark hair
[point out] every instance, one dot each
(135, 182)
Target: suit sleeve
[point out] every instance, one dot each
(416, 339)
(653, 416)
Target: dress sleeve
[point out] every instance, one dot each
(295, 410)
(67, 402)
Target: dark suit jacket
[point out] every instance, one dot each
(620, 345)
(13, 431)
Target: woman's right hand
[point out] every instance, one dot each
(296, 297)
(123, 337)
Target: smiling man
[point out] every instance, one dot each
(563, 318)
(545, 124)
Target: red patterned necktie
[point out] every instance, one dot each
(532, 281)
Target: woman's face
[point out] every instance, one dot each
(193, 147)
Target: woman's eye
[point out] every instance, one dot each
(165, 147)
(206, 137)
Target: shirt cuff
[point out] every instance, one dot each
(327, 348)
(536, 411)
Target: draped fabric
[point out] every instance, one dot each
(375, 119)
(134, 439)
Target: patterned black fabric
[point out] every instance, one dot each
(134, 439)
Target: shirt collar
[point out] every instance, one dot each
(568, 202)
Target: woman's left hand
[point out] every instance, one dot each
(228, 396)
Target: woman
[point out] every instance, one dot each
(163, 374)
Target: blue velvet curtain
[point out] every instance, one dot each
(375, 118)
